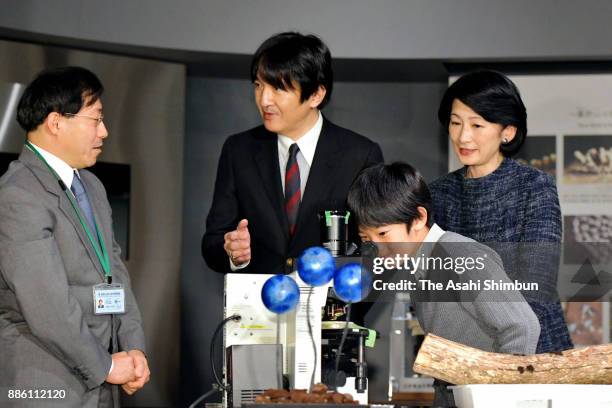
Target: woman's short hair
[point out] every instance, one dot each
(493, 96)
(389, 194)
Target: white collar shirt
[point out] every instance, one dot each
(307, 144)
(63, 169)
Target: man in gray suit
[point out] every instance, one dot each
(59, 262)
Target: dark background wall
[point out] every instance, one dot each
(383, 29)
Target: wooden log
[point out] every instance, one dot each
(460, 364)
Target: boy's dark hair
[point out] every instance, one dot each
(493, 96)
(290, 57)
(389, 194)
(62, 90)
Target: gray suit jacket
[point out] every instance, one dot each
(49, 336)
(499, 321)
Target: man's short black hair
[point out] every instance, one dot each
(493, 96)
(291, 57)
(62, 90)
(389, 194)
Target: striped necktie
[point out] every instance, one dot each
(293, 194)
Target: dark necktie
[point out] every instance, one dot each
(80, 194)
(293, 194)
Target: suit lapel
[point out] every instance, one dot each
(320, 178)
(266, 161)
(51, 184)
(67, 209)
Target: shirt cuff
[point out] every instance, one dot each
(236, 268)
(111, 369)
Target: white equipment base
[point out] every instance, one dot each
(533, 396)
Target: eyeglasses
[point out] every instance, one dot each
(98, 119)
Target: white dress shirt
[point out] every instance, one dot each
(434, 234)
(63, 169)
(307, 144)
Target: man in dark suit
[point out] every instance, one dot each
(59, 259)
(273, 180)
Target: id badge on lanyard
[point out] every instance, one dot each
(109, 299)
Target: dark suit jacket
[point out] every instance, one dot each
(50, 337)
(249, 186)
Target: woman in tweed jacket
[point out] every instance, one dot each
(494, 199)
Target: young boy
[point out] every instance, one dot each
(393, 208)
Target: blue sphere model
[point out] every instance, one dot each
(316, 266)
(352, 283)
(280, 294)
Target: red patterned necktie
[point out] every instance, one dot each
(293, 194)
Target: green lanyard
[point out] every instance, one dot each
(99, 246)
